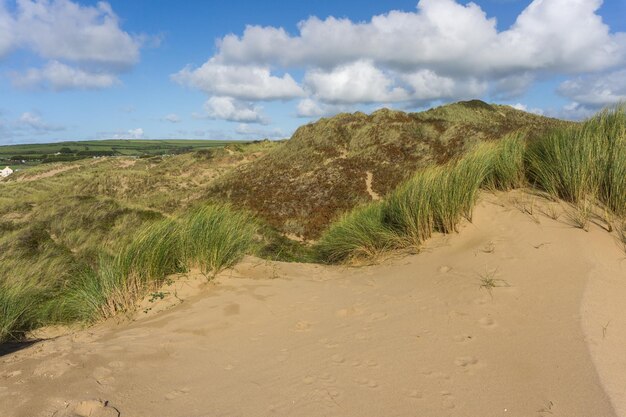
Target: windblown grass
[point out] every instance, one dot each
(434, 199)
(507, 170)
(214, 237)
(580, 164)
(360, 233)
(585, 163)
(19, 309)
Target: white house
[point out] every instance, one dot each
(6, 172)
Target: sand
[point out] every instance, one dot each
(415, 335)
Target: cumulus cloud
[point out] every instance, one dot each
(524, 107)
(240, 82)
(228, 108)
(359, 82)
(85, 45)
(444, 36)
(596, 90)
(443, 50)
(57, 76)
(312, 108)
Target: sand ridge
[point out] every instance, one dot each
(416, 335)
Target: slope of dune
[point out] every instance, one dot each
(517, 315)
(336, 163)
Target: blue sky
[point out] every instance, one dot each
(72, 70)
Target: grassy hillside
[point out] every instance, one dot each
(327, 166)
(85, 240)
(35, 154)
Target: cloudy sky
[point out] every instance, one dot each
(73, 70)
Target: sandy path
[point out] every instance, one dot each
(415, 336)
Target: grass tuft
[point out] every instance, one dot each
(215, 237)
(360, 233)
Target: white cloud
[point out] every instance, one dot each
(256, 132)
(597, 90)
(6, 30)
(33, 121)
(443, 50)
(524, 107)
(227, 108)
(57, 76)
(240, 82)
(137, 133)
(312, 108)
(444, 36)
(62, 29)
(359, 82)
(574, 111)
(172, 118)
(85, 45)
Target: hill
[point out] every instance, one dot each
(28, 155)
(334, 164)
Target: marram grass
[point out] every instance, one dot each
(360, 233)
(214, 237)
(211, 237)
(434, 199)
(584, 163)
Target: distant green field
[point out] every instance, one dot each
(35, 154)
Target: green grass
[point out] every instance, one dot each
(88, 243)
(580, 164)
(37, 153)
(434, 199)
(360, 233)
(585, 163)
(19, 309)
(215, 237)
(507, 169)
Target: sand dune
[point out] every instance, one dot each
(417, 335)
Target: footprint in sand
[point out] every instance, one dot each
(329, 344)
(463, 338)
(415, 394)
(444, 269)
(116, 365)
(302, 326)
(338, 359)
(103, 376)
(53, 368)
(89, 408)
(465, 361)
(366, 382)
(349, 312)
(231, 309)
(447, 400)
(308, 380)
(12, 374)
(378, 316)
(177, 393)
(488, 323)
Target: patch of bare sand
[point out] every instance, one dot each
(416, 335)
(46, 174)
